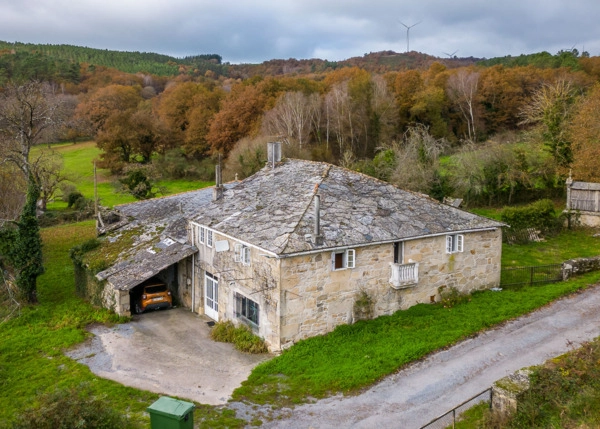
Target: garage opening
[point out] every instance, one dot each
(156, 293)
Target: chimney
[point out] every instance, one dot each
(218, 189)
(317, 237)
(273, 153)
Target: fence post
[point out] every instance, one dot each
(531, 276)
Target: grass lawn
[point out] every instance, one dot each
(78, 161)
(553, 250)
(354, 356)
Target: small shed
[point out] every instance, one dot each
(584, 198)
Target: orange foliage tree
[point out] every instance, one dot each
(584, 131)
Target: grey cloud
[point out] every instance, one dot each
(260, 30)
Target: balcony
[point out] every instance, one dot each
(404, 275)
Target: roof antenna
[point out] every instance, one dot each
(408, 27)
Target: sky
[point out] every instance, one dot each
(244, 31)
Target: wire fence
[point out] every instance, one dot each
(450, 418)
(539, 274)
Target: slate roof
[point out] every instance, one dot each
(274, 210)
(160, 238)
(588, 186)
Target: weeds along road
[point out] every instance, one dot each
(423, 391)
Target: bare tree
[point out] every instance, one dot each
(12, 193)
(417, 159)
(26, 112)
(293, 117)
(48, 167)
(339, 116)
(461, 89)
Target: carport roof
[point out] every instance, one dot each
(127, 274)
(153, 237)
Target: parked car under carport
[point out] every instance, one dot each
(153, 294)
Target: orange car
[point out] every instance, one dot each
(154, 296)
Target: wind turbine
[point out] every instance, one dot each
(408, 27)
(450, 55)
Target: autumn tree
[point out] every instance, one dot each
(26, 112)
(205, 106)
(551, 108)
(584, 133)
(239, 116)
(106, 102)
(132, 135)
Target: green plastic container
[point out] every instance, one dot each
(171, 413)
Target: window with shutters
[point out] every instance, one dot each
(342, 260)
(454, 243)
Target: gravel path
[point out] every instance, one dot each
(427, 389)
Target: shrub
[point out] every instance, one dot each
(73, 198)
(241, 337)
(539, 215)
(138, 184)
(76, 407)
(451, 297)
(175, 165)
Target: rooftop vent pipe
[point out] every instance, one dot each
(218, 189)
(317, 237)
(273, 153)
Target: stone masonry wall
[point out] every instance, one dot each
(258, 281)
(184, 282)
(315, 298)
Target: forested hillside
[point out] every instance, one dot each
(490, 131)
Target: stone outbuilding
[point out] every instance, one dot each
(583, 198)
(302, 247)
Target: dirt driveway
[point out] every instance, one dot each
(167, 352)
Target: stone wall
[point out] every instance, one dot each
(116, 300)
(101, 293)
(315, 298)
(505, 392)
(184, 282)
(580, 266)
(591, 219)
(258, 281)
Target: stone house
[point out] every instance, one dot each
(292, 250)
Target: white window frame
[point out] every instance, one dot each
(202, 235)
(209, 238)
(348, 259)
(242, 254)
(455, 243)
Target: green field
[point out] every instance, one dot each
(78, 162)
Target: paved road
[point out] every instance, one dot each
(425, 390)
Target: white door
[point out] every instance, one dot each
(211, 296)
